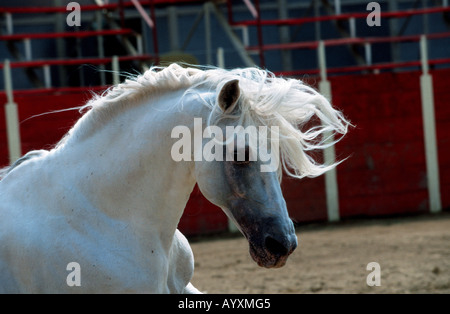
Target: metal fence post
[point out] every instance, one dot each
(331, 186)
(12, 117)
(115, 70)
(429, 130)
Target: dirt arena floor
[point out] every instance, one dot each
(413, 254)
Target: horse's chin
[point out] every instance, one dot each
(266, 259)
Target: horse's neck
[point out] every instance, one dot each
(125, 169)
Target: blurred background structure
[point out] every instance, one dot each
(390, 80)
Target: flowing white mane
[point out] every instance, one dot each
(305, 118)
(265, 100)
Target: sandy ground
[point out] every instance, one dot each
(413, 254)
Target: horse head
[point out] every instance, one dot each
(247, 192)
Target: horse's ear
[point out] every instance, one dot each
(229, 96)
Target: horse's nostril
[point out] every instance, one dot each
(275, 247)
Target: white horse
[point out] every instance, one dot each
(109, 196)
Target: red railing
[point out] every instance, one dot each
(120, 6)
(258, 22)
(76, 34)
(54, 62)
(348, 41)
(362, 68)
(261, 47)
(345, 16)
(91, 7)
(54, 90)
(29, 62)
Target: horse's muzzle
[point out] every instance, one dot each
(273, 252)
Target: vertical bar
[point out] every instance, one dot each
(424, 18)
(9, 23)
(172, 18)
(322, 60)
(368, 53)
(79, 51)
(331, 185)
(145, 36)
(207, 16)
(8, 81)
(47, 76)
(221, 58)
(352, 25)
(394, 31)
(230, 12)
(262, 61)
(115, 70)
(337, 7)
(100, 46)
(429, 128)
(245, 36)
(12, 117)
(317, 29)
(154, 32)
(27, 46)
(60, 25)
(329, 153)
(424, 54)
(284, 33)
(122, 14)
(139, 44)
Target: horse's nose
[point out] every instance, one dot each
(280, 246)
